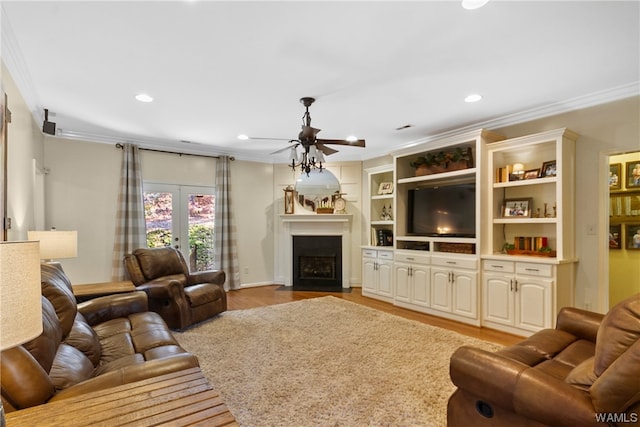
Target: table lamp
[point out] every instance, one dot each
(56, 244)
(20, 301)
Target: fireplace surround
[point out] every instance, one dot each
(314, 225)
(317, 263)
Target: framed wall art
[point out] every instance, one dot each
(632, 236)
(633, 174)
(615, 236)
(517, 208)
(615, 176)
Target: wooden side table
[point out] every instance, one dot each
(177, 399)
(86, 291)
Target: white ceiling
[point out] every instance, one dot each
(218, 69)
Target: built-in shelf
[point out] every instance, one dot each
(525, 220)
(525, 182)
(441, 178)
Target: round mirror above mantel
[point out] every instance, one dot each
(315, 188)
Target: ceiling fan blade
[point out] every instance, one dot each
(327, 151)
(285, 148)
(358, 143)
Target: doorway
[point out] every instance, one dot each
(623, 225)
(182, 217)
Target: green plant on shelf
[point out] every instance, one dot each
(442, 158)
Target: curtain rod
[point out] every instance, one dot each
(118, 145)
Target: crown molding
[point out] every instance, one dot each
(14, 61)
(578, 103)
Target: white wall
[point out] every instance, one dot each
(25, 143)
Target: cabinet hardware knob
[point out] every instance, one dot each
(497, 266)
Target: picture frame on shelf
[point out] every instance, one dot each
(385, 188)
(632, 178)
(615, 236)
(532, 173)
(548, 169)
(615, 176)
(517, 208)
(632, 236)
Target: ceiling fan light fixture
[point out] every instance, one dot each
(319, 156)
(293, 155)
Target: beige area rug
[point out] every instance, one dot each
(327, 362)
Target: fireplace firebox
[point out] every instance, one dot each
(317, 263)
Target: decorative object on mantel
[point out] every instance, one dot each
(325, 207)
(288, 200)
(443, 161)
(339, 204)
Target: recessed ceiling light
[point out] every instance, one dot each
(474, 97)
(473, 4)
(143, 97)
(243, 136)
(351, 138)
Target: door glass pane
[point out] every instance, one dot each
(201, 215)
(158, 215)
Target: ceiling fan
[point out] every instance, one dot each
(313, 149)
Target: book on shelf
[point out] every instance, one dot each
(381, 237)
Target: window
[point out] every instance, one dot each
(175, 214)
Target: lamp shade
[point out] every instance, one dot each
(20, 301)
(56, 244)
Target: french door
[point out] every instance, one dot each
(182, 217)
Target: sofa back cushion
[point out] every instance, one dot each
(619, 329)
(44, 347)
(56, 287)
(159, 262)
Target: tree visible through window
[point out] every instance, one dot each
(169, 213)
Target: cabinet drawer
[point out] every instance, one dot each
(385, 255)
(412, 259)
(471, 264)
(495, 265)
(531, 269)
(369, 253)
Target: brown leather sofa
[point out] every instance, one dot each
(101, 343)
(180, 297)
(586, 372)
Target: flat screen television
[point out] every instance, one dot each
(447, 210)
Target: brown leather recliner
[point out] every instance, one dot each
(180, 297)
(101, 343)
(586, 372)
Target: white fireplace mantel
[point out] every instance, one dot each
(313, 225)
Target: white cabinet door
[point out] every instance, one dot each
(465, 294)
(441, 289)
(421, 286)
(497, 298)
(533, 300)
(385, 274)
(402, 283)
(369, 275)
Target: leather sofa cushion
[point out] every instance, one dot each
(70, 367)
(203, 294)
(158, 262)
(582, 376)
(57, 289)
(619, 329)
(85, 339)
(43, 348)
(541, 346)
(132, 359)
(619, 386)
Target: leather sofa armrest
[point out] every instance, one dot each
(551, 401)
(486, 374)
(129, 374)
(217, 277)
(162, 289)
(580, 323)
(101, 309)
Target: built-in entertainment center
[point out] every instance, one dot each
(445, 219)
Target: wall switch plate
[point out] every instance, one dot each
(591, 229)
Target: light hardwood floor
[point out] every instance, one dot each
(270, 295)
